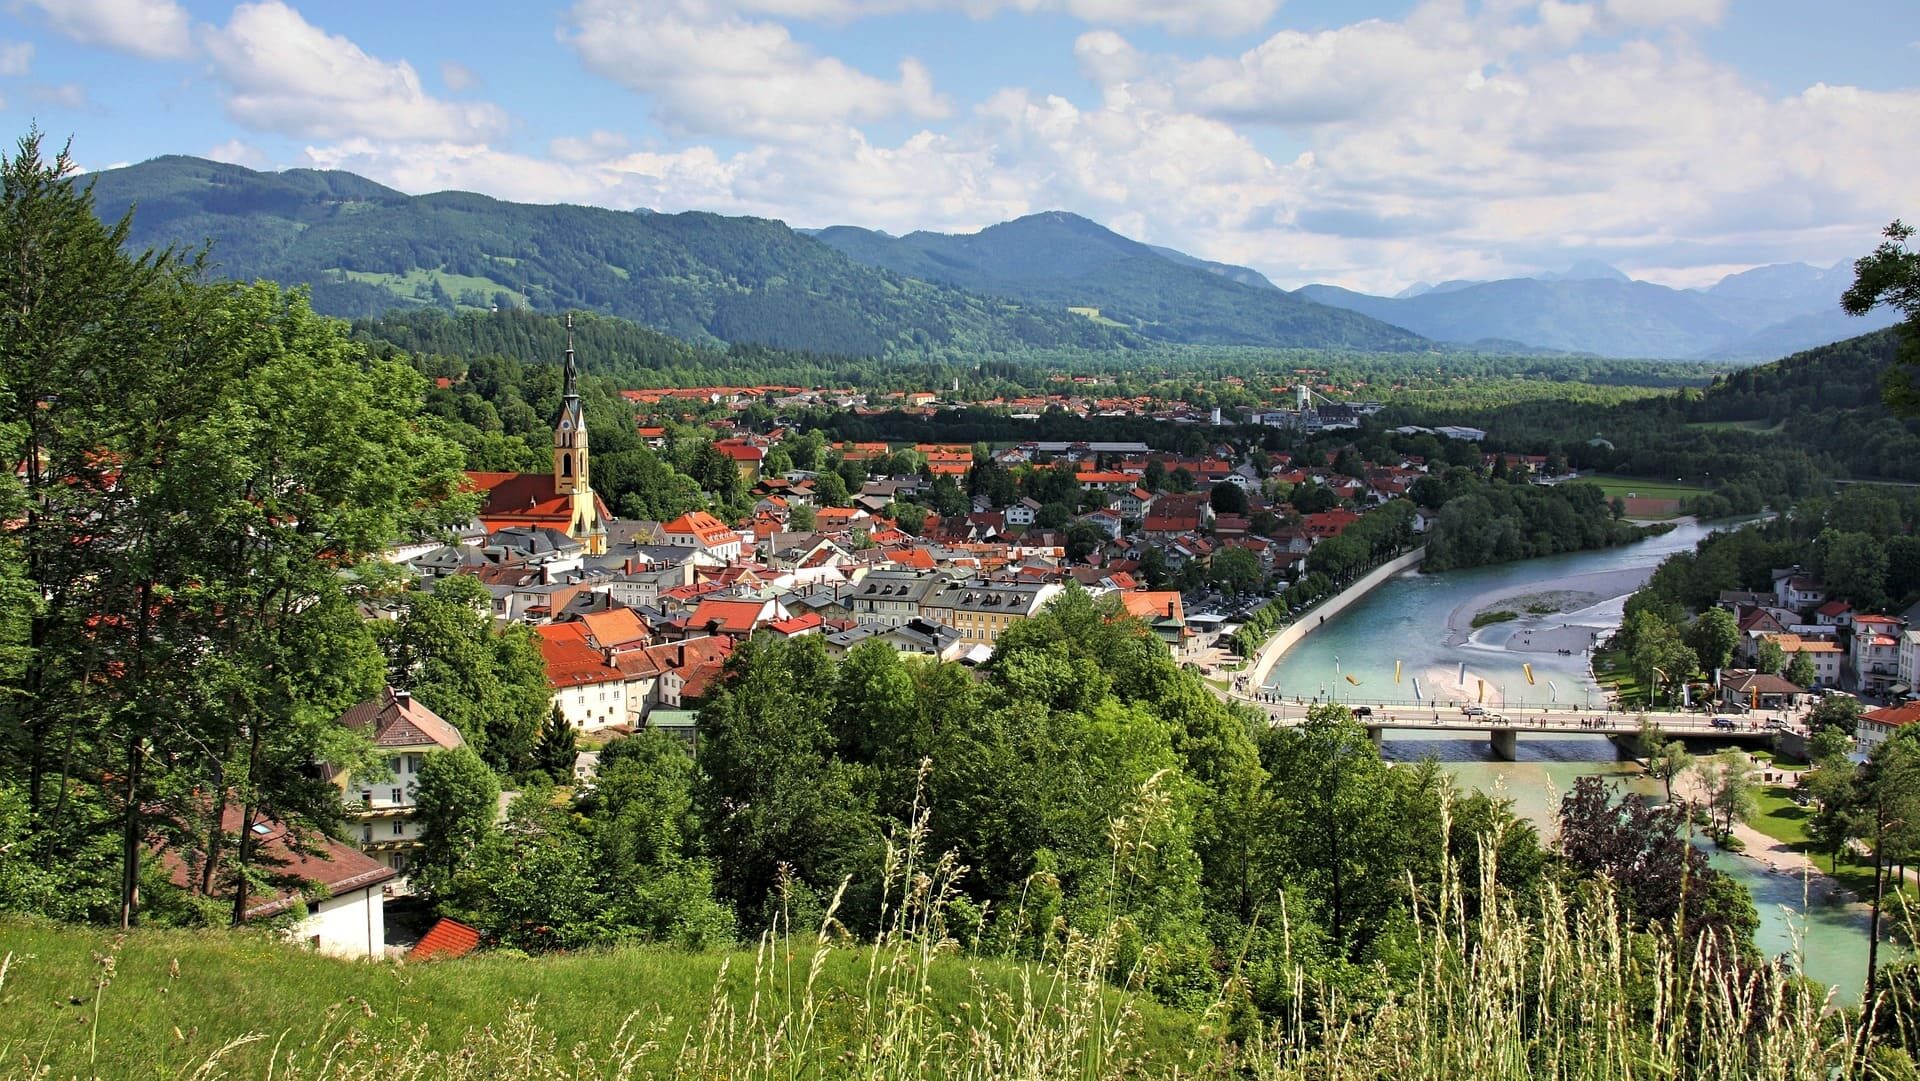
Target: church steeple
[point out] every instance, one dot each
(570, 474)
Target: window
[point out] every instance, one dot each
(366, 796)
(399, 796)
(393, 764)
(399, 861)
(399, 828)
(366, 835)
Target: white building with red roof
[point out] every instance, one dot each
(700, 530)
(1878, 725)
(380, 801)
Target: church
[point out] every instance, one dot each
(561, 499)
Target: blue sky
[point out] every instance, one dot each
(1370, 145)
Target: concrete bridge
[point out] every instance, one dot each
(1505, 728)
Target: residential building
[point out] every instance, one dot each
(981, 610)
(1874, 655)
(1879, 725)
(700, 530)
(587, 684)
(380, 801)
(890, 598)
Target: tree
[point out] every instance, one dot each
(487, 681)
(1887, 817)
(1714, 636)
(1838, 712)
(1854, 566)
(1891, 275)
(1228, 498)
(1769, 657)
(801, 518)
(1800, 671)
(1667, 759)
(1236, 570)
(1727, 780)
(1083, 539)
(831, 489)
(1658, 874)
(1830, 786)
(455, 800)
(554, 754)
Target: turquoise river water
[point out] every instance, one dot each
(1405, 620)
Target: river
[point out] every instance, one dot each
(1405, 620)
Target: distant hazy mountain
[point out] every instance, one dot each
(1242, 274)
(1060, 261)
(1593, 308)
(365, 249)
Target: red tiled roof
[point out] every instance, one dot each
(615, 627)
(728, 617)
(571, 661)
(447, 939)
(291, 866)
(704, 527)
(397, 719)
(1894, 716)
(520, 499)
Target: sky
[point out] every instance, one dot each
(1366, 144)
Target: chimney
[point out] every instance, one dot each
(403, 699)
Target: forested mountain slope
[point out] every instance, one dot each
(1779, 426)
(365, 249)
(1061, 260)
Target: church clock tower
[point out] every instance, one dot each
(570, 471)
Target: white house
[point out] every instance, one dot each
(1877, 725)
(380, 802)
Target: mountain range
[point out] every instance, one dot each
(364, 249)
(1052, 280)
(1758, 314)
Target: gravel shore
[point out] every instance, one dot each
(1580, 606)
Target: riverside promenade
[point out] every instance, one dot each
(1288, 636)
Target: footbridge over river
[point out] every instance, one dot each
(1505, 728)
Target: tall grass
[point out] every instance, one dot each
(1559, 991)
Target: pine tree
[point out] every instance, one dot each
(555, 751)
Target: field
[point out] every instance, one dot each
(159, 1004)
(1642, 487)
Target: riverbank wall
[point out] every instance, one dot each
(1286, 637)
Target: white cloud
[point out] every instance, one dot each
(16, 58)
(152, 28)
(239, 152)
(286, 75)
(712, 72)
(1659, 12)
(458, 77)
(1215, 17)
(70, 96)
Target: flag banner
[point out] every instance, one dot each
(1553, 691)
(1528, 669)
(1396, 671)
(1336, 664)
(1483, 692)
(1416, 689)
(1462, 681)
(1352, 680)
(1686, 696)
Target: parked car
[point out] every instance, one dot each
(1363, 711)
(1725, 722)
(1474, 711)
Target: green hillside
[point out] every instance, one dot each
(365, 249)
(1060, 260)
(164, 1003)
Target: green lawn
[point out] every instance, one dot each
(1780, 818)
(174, 998)
(1644, 487)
